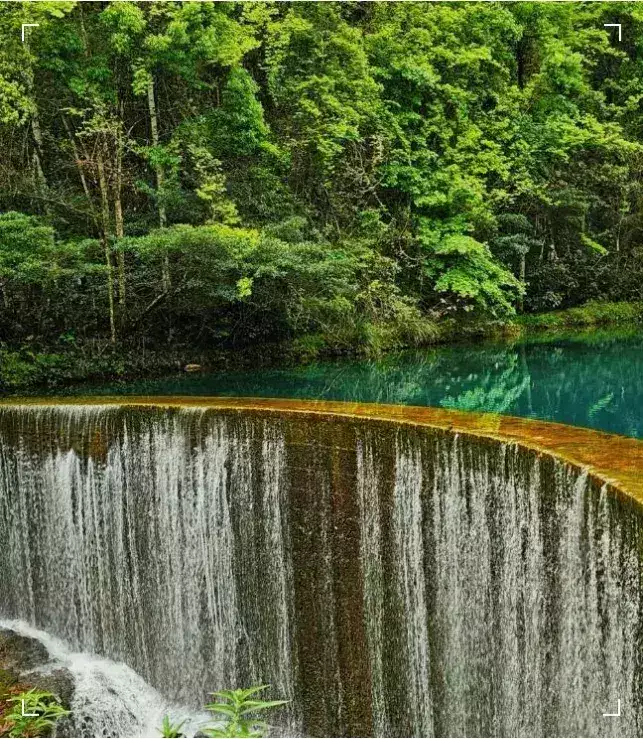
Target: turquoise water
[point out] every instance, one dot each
(594, 381)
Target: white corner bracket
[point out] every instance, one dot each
(618, 713)
(614, 25)
(23, 710)
(28, 25)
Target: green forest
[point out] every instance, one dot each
(199, 182)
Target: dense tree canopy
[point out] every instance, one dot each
(344, 173)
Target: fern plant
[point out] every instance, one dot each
(240, 713)
(40, 714)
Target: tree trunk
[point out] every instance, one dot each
(523, 270)
(37, 157)
(118, 213)
(39, 174)
(102, 181)
(120, 256)
(81, 173)
(160, 174)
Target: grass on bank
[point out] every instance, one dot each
(590, 314)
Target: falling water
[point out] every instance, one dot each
(386, 580)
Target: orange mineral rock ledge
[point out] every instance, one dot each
(617, 460)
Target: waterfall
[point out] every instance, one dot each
(386, 579)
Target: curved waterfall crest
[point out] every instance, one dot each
(388, 578)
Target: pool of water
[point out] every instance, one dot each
(593, 380)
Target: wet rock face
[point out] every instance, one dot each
(59, 682)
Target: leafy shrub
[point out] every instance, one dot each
(27, 368)
(244, 287)
(551, 285)
(240, 713)
(465, 271)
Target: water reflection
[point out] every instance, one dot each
(594, 380)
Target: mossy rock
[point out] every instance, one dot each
(8, 678)
(18, 652)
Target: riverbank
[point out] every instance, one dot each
(26, 369)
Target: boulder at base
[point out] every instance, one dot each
(29, 660)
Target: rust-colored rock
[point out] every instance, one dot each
(611, 458)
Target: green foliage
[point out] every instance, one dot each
(322, 176)
(261, 285)
(238, 127)
(27, 368)
(465, 268)
(42, 703)
(171, 730)
(26, 248)
(240, 713)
